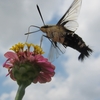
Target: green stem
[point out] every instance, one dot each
(20, 92)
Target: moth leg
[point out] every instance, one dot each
(53, 43)
(41, 40)
(46, 37)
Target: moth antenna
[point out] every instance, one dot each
(40, 14)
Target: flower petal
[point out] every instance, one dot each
(43, 78)
(11, 55)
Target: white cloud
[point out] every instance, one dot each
(8, 96)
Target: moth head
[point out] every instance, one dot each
(44, 28)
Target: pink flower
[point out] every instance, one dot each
(47, 70)
(27, 66)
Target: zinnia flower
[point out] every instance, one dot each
(27, 65)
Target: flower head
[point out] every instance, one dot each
(26, 65)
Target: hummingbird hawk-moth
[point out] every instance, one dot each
(63, 35)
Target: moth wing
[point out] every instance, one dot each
(55, 51)
(71, 25)
(71, 15)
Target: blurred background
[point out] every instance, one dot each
(74, 80)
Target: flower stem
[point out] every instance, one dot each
(20, 92)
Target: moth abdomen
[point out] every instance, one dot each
(85, 52)
(76, 42)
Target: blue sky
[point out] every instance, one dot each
(74, 80)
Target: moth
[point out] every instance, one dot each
(62, 35)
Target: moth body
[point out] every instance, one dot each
(55, 32)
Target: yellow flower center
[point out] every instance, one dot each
(20, 47)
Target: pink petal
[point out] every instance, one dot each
(31, 58)
(40, 58)
(43, 78)
(52, 74)
(6, 65)
(46, 76)
(47, 71)
(11, 55)
(5, 62)
(47, 67)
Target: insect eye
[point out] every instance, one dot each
(46, 26)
